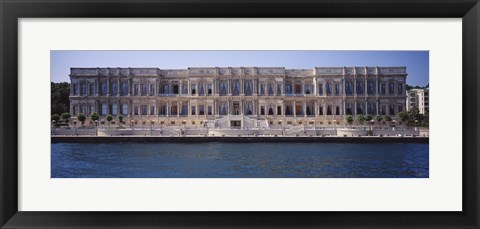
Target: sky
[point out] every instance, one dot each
(415, 61)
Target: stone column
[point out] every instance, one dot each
(355, 107)
(304, 108)
(108, 86)
(178, 109)
(294, 109)
(168, 109)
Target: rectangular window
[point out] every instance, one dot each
(75, 90)
(337, 89)
(248, 87)
(144, 89)
(152, 89)
(400, 108)
(163, 110)
(74, 110)
(114, 109)
(144, 109)
(391, 110)
(329, 90)
(135, 110)
(194, 89)
(262, 110)
(125, 88)
(91, 110)
(320, 110)
(84, 109)
(84, 89)
(348, 87)
(382, 88)
(262, 89)
(104, 109)
(320, 89)
(209, 89)
(184, 88)
(209, 110)
(91, 89)
(270, 89)
(136, 89)
(371, 87)
(360, 88)
(383, 110)
(391, 88)
(125, 109)
(348, 109)
(152, 110)
(400, 89)
(104, 88)
(201, 110)
(194, 111)
(114, 89)
(201, 88)
(337, 110)
(279, 89)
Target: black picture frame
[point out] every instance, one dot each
(11, 11)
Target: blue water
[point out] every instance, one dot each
(239, 160)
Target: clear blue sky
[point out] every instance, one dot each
(415, 61)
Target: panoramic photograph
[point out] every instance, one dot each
(239, 114)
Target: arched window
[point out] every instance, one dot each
(223, 88)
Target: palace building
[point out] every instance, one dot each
(238, 96)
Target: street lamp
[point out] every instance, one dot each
(96, 127)
(131, 126)
(335, 126)
(152, 122)
(75, 127)
(53, 126)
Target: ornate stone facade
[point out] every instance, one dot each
(278, 96)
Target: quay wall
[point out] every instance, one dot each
(260, 139)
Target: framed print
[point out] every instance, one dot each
(239, 114)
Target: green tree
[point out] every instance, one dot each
(109, 118)
(55, 118)
(368, 118)
(388, 119)
(81, 118)
(60, 102)
(66, 116)
(349, 119)
(120, 119)
(403, 116)
(379, 119)
(94, 116)
(360, 119)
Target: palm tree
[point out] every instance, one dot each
(109, 118)
(81, 118)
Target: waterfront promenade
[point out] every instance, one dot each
(294, 134)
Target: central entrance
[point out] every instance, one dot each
(236, 124)
(236, 108)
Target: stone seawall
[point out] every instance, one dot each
(103, 139)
